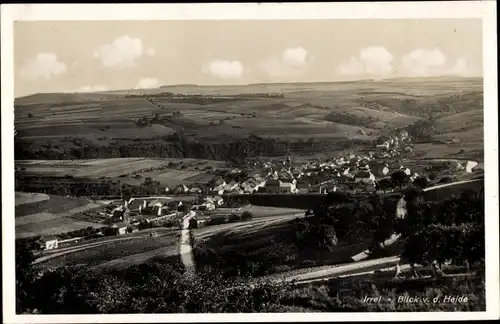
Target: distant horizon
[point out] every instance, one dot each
(257, 84)
(96, 56)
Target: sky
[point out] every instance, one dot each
(85, 56)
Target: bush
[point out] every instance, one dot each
(446, 179)
(217, 220)
(246, 216)
(233, 218)
(193, 223)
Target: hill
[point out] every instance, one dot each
(50, 215)
(204, 121)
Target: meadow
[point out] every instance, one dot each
(52, 216)
(121, 253)
(110, 124)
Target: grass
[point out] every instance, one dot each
(22, 198)
(302, 111)
(54, 205)
(348, 294)
(169, 172)
(269, 250)
(257, 211)
(52, 216)
(129, 251)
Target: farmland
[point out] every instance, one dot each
(264, 251)
(168, 171)
(111, 124)
(115, 253)
(51, 216)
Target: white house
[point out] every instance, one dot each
(385, 170)
(219, 190)
(48, 242)
(364, 176)
(181, 189)
(384, 145)
(407, 172)
(470, 165)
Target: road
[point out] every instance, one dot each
(186, 250)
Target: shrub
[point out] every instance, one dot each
(246, 216)
(233, 218)
(193, 223)
(217, 220)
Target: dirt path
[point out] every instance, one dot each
(186, 250)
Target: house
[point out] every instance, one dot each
(119, 228)
(302, 186)
(195, 190)
(48, 242)
(404, 135)
(218, 190)
(167, 190)
(384, 145)
(288, 187)
(230, 186)
(364, 176)
(470, 165)
(216, 182)
(181, 189)
(272, 185)
(407, 171)
(218, 200)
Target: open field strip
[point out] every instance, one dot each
(60, 225)
(117, 248)
(205, 232)
(22, 198)
(140, 258)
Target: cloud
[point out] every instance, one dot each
(295, 56)
(460, 67)
(372, 60)
(92, 88)
(224, 69)
(147, 83)
(123, 52)
(422, 62)
(292, 63)
(43, 66)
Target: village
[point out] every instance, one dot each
(387, 167)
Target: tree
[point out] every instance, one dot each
(399, 178)
(421, 182)
(25, 276)
(246, 216)
(193, 223)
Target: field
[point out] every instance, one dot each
(22, 198)
(169, 172)
(106, 124)
(51, 216)
(115, 252)
(257, 211)
(259, 251)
